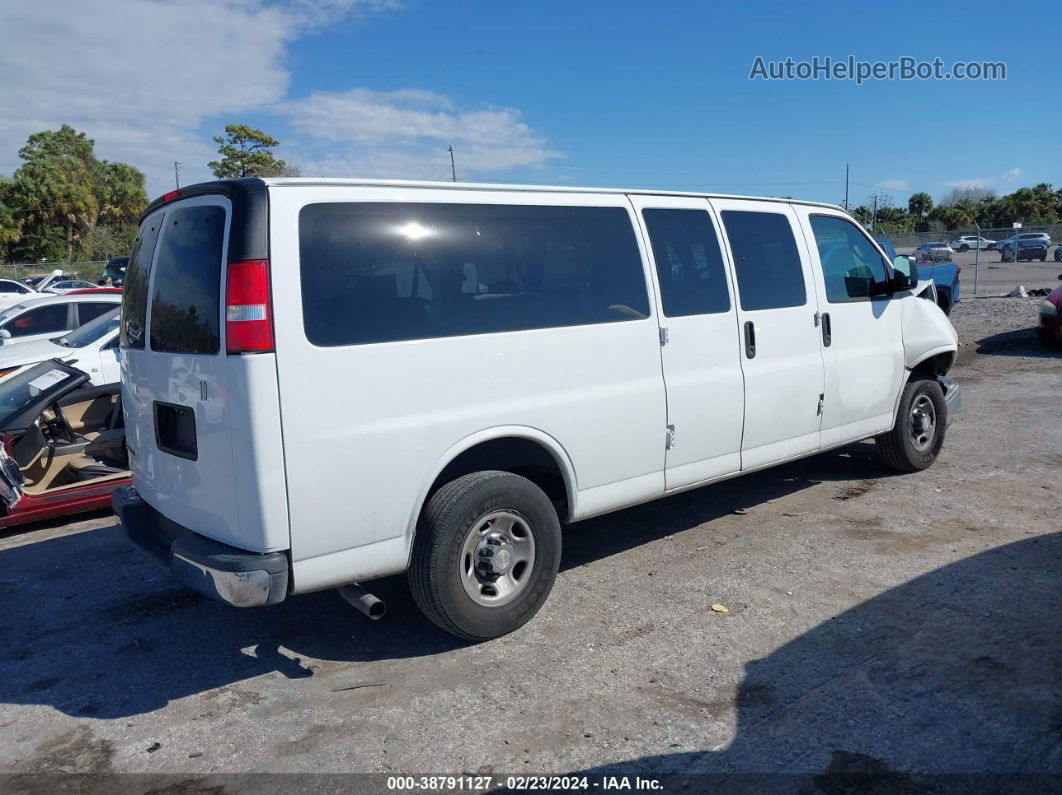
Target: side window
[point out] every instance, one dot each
(689, 263)
(91, 310)
(392, 271)
(42, 320)
(9, 287)
(850, 263)
(766, 260)
(186, 290)
(134, 296)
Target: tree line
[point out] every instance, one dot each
(65, 204)
(963, 208)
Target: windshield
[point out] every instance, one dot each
(10, 312)
(43, 381)
(92, 331)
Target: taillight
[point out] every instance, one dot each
(171, 195)
(958, 269)
(248, 313)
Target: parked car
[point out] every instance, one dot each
(966, 242)
(115, 271)
(1028, 245)
(1058, 253)
(13, 291)
(1050, 326)
(69, 285)
(944, 275)
(41, 281)
(65, 444)
(933, 252)
(93, 347)
(52, 316)
(432, 377)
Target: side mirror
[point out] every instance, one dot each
(905, 273)
(5, 334)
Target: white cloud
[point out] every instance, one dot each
(894, 184)
(1014, 173)
(973, 182)
(141, 76)
(406, 133)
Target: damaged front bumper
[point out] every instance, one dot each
(952, 397)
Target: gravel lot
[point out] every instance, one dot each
(878, 624)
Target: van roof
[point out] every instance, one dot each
(244, 185)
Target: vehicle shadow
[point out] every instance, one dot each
(100, 632)
(1022, 342)
(949, 682)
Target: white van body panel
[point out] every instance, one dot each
(365, 425)
(234, 492)
(927, 332)
(784, 380)
(864, 363)
(702, 372)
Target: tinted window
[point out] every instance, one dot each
(134, 296)
(384, 272)
(850, 263)
(186, 290)
(689, 263)
(11, 287)
(92, 310)
(766, 260)
(42, 320)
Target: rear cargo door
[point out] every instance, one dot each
(174, 368)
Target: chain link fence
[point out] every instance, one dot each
(90, 271)
(906, 242)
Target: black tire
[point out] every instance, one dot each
(436, 573)
(964, 248)
(1058, 254)
(944, 303)
(897, 447)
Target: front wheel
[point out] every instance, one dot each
(964, 248)
(485, 555)
(915, 441)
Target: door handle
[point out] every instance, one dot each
(827, 332)
(750, 340)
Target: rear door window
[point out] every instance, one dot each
(90, 310)
(387, 272)
(766, 260)
(186, 289)
(134, 295)
(689, 263)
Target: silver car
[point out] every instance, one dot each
(933, 252)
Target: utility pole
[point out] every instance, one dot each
(845, 186)
(177, 174)
(874, 214)
(453, 169)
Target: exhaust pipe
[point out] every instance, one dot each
(363, 600)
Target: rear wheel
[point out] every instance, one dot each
(485, 555)
(915, 441)
(964, 248)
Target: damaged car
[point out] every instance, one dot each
(63, 444)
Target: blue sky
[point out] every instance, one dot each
(594, 93)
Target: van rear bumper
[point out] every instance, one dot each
(228, 574)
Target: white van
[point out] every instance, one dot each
(329, 381)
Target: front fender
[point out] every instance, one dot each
(926, 330)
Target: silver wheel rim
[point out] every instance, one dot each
(923, 423)
(497, 558)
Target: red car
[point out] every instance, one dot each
(63, 444)
(1050, 328)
